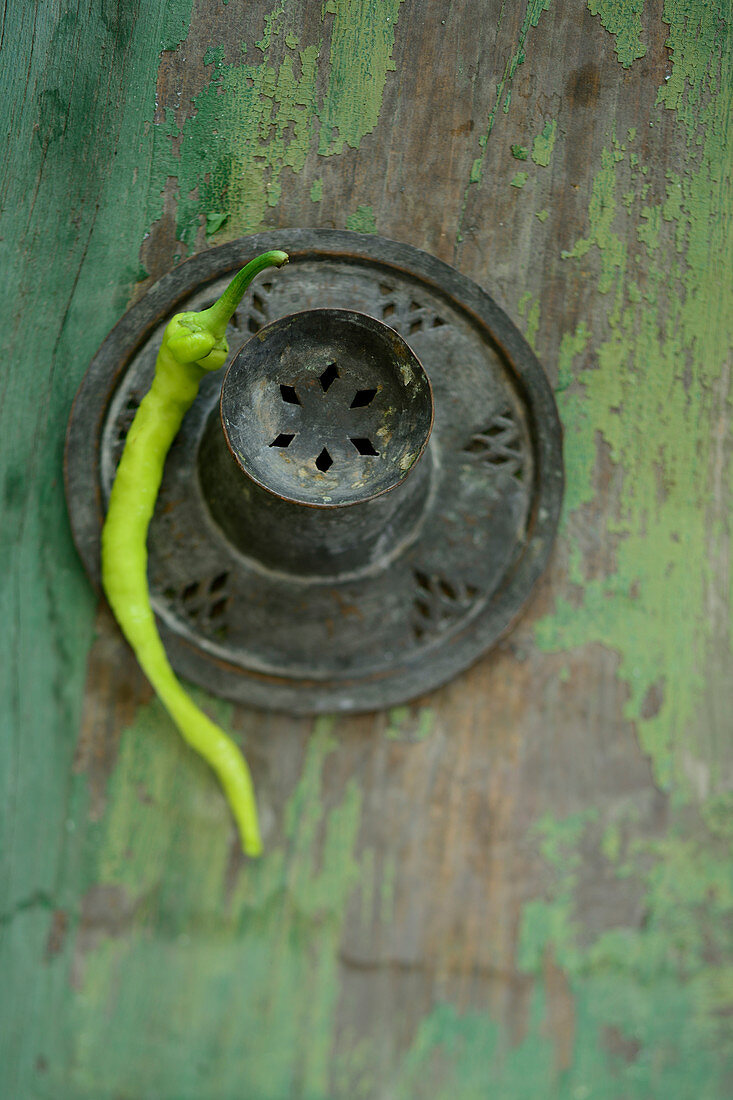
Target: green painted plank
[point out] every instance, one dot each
(77, 88)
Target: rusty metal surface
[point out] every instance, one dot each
(430, 597)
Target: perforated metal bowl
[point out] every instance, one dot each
(327, 408)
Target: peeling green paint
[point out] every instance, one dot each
(214, 222)
(601, 214)
(532, 315)
(317, 190)
(542, 215)
(406, 725)
(250, 123)
(533, 324)
(611, 842)
(253, 958)
(214, 55)
(362, 38)
(397, 717)
(425, 723)
(519, 152)
(254, 121)
(622, 18)
(176, 18)
(534, 10)
(653, 610)
(544, 143)
(519, 180)
(362, 220)
(698, 35)
(571, 345)
(650, 227)
(650, 1000)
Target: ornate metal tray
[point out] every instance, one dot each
(429, 602)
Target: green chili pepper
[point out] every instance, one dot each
(193, 344)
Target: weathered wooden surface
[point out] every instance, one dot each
(521, 885)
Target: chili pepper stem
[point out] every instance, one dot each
(217, 317)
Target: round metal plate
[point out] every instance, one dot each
(426, 610)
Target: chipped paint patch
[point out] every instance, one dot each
(317, 190)
(622, 19)
(214, 222)
(601, 214)
(571, 345)
(363, 220)
(408, 724)
(531, 314)
(544, 143)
